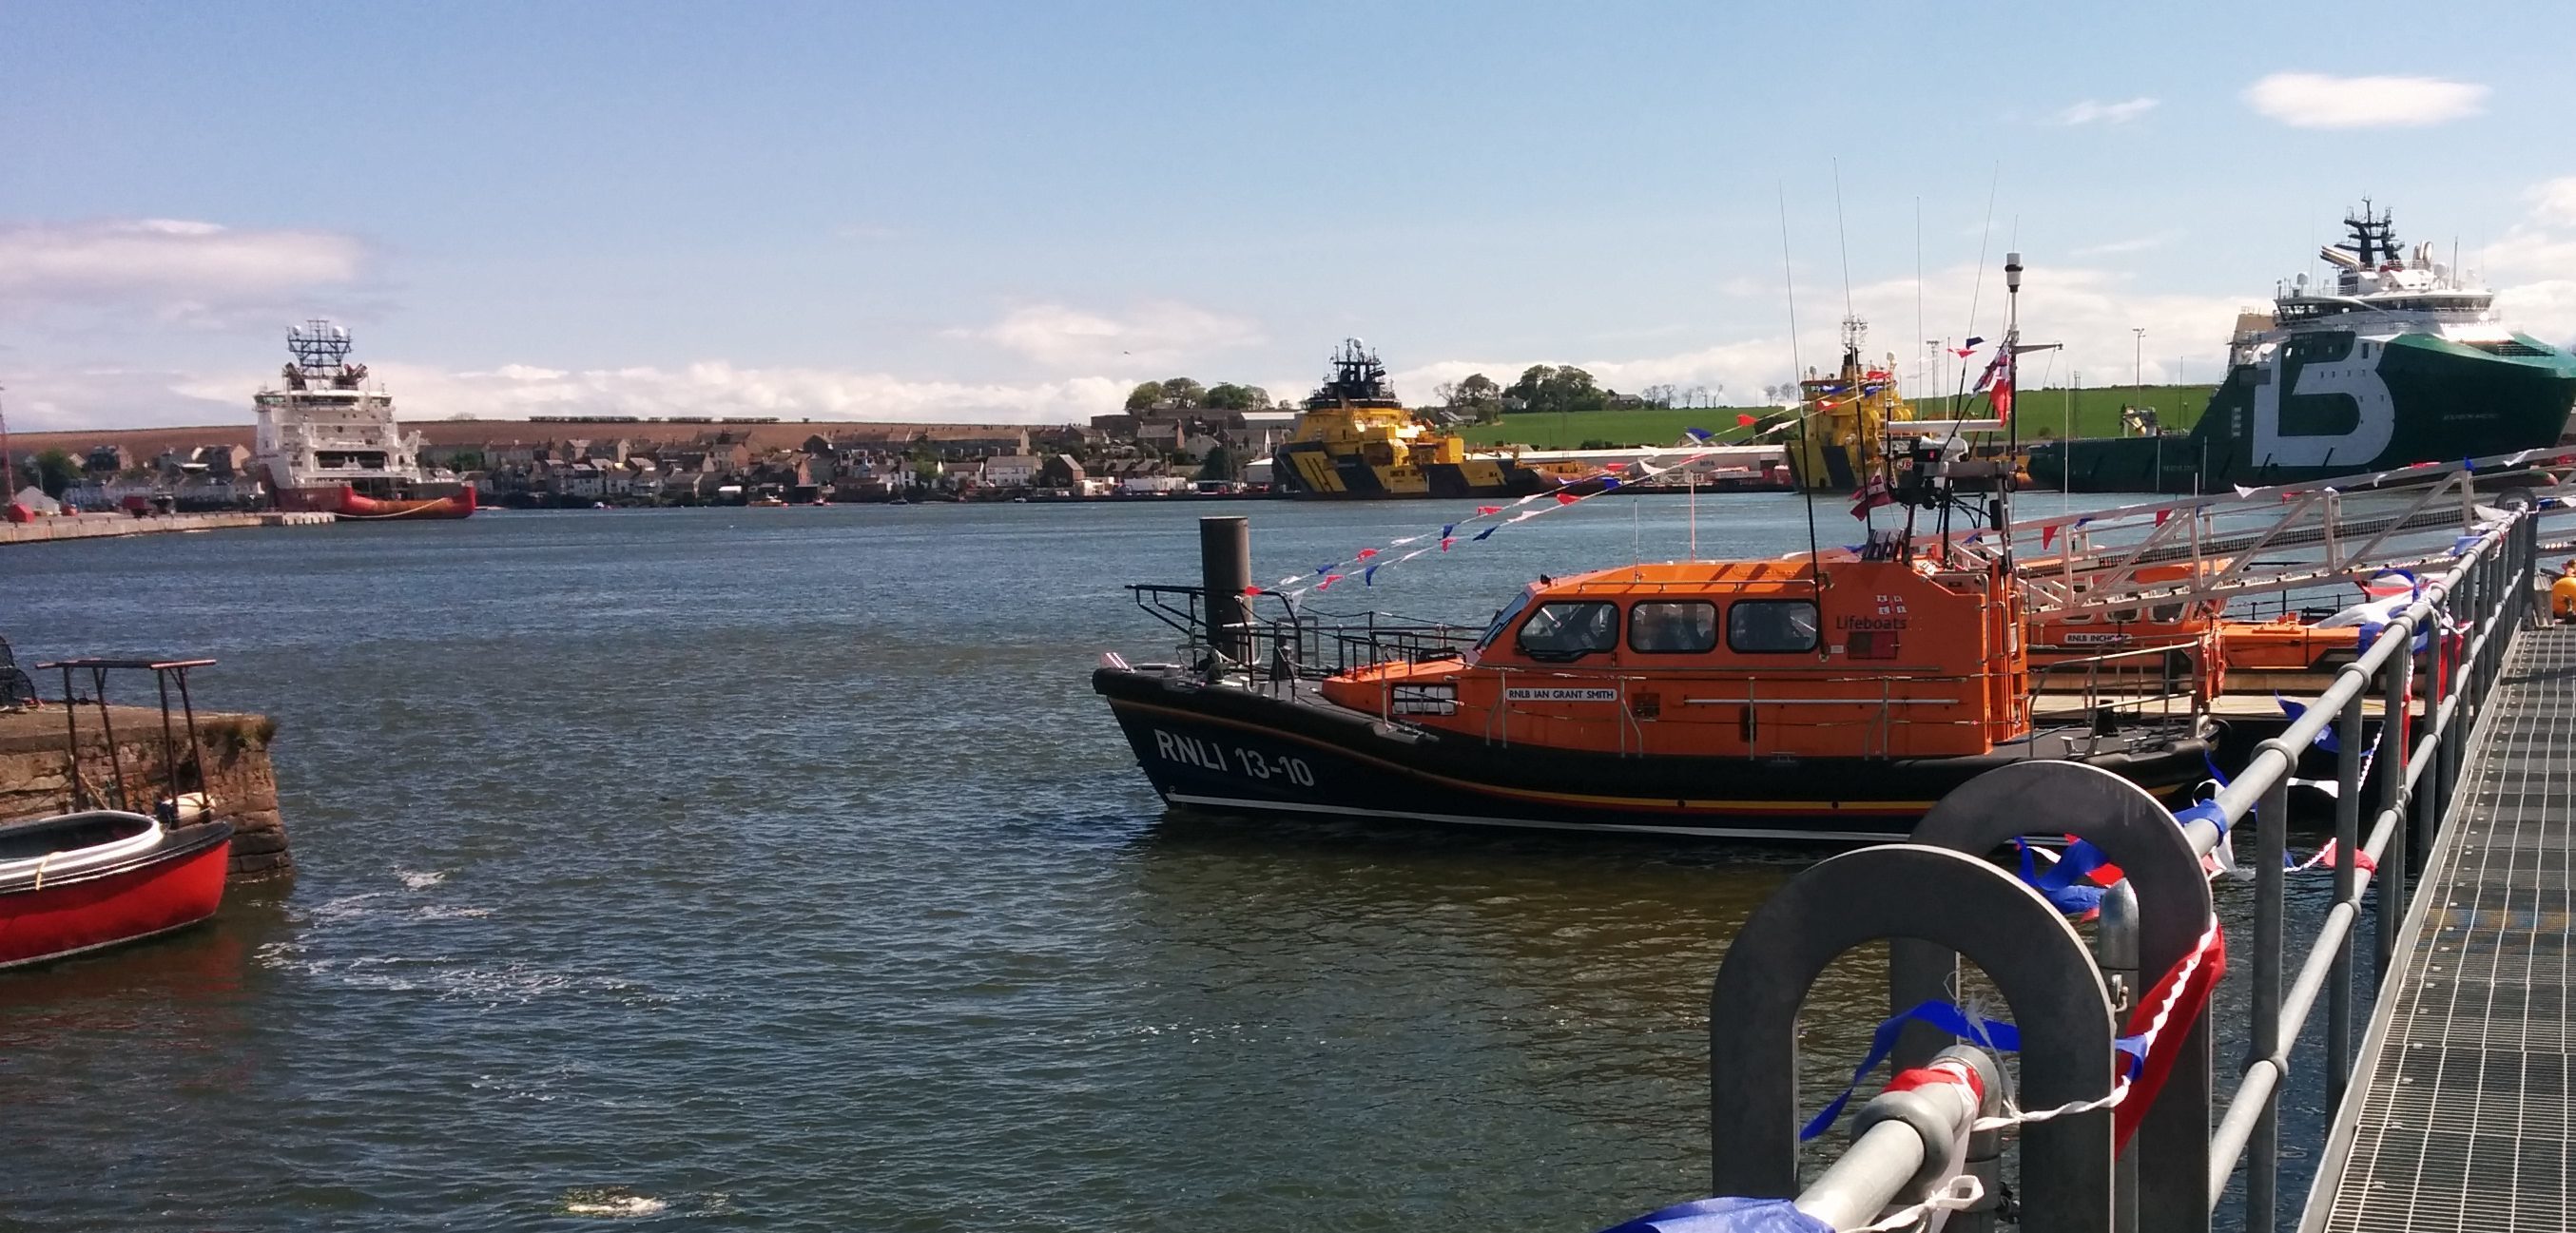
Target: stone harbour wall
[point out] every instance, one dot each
(35, 772)
(94, 526)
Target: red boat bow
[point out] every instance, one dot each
(83, 881)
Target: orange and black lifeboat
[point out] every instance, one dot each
(1773, 699)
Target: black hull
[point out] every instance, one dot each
(1234, 750)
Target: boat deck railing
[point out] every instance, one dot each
(1282, 644)
(176, 769)
(2168, 681)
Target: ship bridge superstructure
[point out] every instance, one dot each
(2380, 288)
(322, 424)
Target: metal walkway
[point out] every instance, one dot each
(2460, 1117)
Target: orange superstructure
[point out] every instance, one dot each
(1883, 659)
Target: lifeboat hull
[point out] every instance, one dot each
(1235, 750)
(175, 883)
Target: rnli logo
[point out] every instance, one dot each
(2353, 381)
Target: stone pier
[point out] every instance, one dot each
(36, 772)
(94, 526)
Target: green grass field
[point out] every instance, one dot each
(2044, 414)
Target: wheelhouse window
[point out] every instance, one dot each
(1771, 626)
(1570, 630)
(1674, 627)
(1504, 618)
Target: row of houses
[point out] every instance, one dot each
(1192, 433)
(850, 465)
(1154, 450)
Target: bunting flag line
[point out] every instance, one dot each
(2185, 993)
(1329, 573)
(2326, 858)
(2057, 883)
(1994, 1034)
(1726, 1214)
(2294, 711)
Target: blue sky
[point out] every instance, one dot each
(1016, 211)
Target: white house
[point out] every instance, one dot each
(1011, 470)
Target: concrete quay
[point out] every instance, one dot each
(96, 526)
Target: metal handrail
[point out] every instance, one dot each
(2471, 612)
(2493, 580)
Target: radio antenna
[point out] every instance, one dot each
(1842, 239)
(1918, 292)
(1806, 484)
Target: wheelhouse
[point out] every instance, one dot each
(1787, 658)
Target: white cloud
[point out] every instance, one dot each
(2090, 112)
(1154, 335)
(715, 387)
(2553, 201)
(110, 397)
(104, 397)
(2086, 308)
(2533, 266)
(177, 269)
(2315, 100)
(2133, 244)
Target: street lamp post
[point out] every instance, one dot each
(2137, 356)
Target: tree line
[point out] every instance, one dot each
(53, 470)
(1542, 388)
(1545, 388)
(1184, 394)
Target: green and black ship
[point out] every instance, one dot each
(2398, 363)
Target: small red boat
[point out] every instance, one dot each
(81, 881)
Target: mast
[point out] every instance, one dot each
(2002, 517)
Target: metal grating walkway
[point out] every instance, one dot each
(2462, 1087)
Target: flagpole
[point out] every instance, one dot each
(2012, 373)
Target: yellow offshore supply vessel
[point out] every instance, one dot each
(1841, 439)
(1355, 441)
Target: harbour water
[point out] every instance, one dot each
(777, 869)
